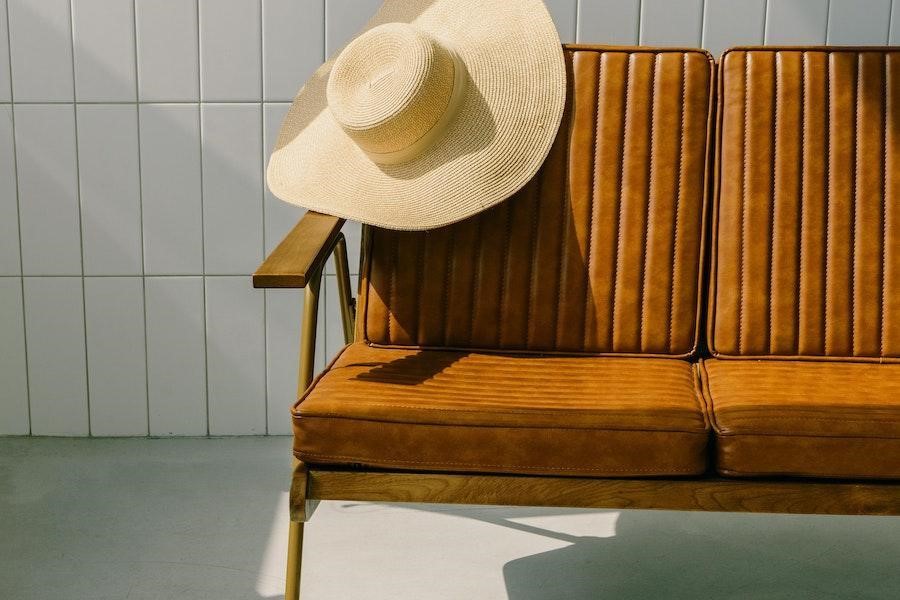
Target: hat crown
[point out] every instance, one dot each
(392, 88)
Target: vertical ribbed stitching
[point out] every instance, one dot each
(677, 212)
(565, 208)
(744, 172)
(504, 270)
(422, 244)
(645, 234)
(883, 207)
(854, 173)
(620, 200)
(448, 281)
(392, 285)
(589, 305)
(533, 254)
(476, 277)
(770, 262)
(826, 205)
(801, 180)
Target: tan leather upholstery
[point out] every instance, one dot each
(821, 419)
(807, 264)
(460, 411)
(599, 254)
(807, 259)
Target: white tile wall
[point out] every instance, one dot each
(279, 216)
(853, 22)
(13, 366)
(796, 21)
(283, 311)
(141, 221)
(612, 21)
(117, 358)
(671, 22)
(9, 210)
(5, 87)
(55, 350)
(230, 50)
(293, 45)
(171, 179)
(895, 24)
(232, 188)
(110, 189)
(235, 351)
(564, 16)
(733, 23)
(176, 355)
(103, 33)
(168, 55)
(47, 176)
(40, 45)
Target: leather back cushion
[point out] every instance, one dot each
(808, 211)
(599, 253)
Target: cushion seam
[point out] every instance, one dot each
(469, 464)
(703, 432)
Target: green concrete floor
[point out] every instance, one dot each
(206, 518)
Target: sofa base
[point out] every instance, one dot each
(710, 493)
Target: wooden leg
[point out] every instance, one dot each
(294, 561)
(299, 507)
(301, 510)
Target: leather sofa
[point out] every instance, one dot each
(694, 305)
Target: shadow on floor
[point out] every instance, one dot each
(663, 554)
(674, 555)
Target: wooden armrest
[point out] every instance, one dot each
(301, 253)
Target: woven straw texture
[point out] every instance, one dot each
(500, 134)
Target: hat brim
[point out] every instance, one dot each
(503, 131)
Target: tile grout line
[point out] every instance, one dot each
(640, 21)
(577, 19)
(262, 163)
(202, 216)
(137, 113)
(12, 116)
(890, 23)
(87, 368)
(703, 16)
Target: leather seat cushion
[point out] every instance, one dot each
(461, 411)
(816, 419)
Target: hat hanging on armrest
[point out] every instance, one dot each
(438, 110)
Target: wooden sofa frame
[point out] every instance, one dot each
(298, 262)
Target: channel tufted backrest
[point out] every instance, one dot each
(599, 253)
(808, 211)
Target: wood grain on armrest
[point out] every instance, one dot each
(300, 254)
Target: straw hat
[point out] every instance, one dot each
(438, 110)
